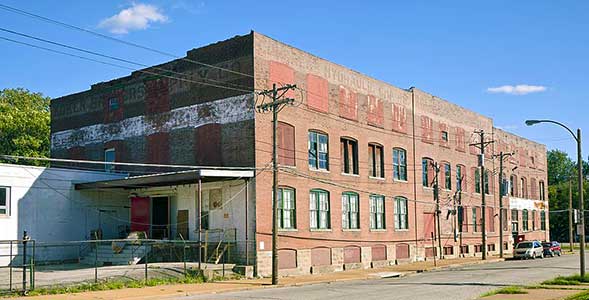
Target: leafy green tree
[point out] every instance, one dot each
(560, 167)
(24, 124)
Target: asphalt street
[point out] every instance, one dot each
(467, 282)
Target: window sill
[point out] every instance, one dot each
(377, 178)
(427, 188)
(319, 170)
(402, 230)
(350, 174)
(378, 230)
(400, 181)
(320, 229)
(288, 229)
(351, 230)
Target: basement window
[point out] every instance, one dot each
(4, 201)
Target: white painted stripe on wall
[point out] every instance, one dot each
(228, 110)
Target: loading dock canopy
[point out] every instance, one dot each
(167, 179)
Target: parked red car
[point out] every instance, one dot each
(551, 248)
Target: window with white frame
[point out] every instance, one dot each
(401, 221)
(4, 201)
(350, 211)
(399, 164)
(377, 212)
(525, 220)
(318, 151)
(109, 157)
(286, 208)
(319, 217)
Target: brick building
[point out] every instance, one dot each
(356, 154)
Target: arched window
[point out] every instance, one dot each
(318, 150)
(319, 209)
(512, 186)
(349, 149)
(375, 160)
(377, 213)
(286, 208)
(399, 164)
(524, 187)
(542, 191)
(447, 175)
(460, 178)
(350, 210)
(427, 171)
(401, 208)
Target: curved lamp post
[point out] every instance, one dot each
(577, 138)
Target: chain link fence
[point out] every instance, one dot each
(26, 264)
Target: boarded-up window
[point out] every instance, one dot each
(402, 251)
(428, 225)
(375, 115)
(430, 252)
(157, 96)
(491, 218)
(287, 259)
(448, 250)
(158, 148)
(182, 220)
(464, 218)
(460, 142)
(399, 118)
(351, 254)
(317, 93)
(379, 253)
(348, 104)
(427, 130)
(286, 144)
(321, 256)
(281, 74)
(208, 145)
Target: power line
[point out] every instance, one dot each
(125, 163)
(121, 66)
(105, 55)
(63, 24)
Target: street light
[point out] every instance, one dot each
(577, 138)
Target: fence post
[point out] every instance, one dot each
(10, 267)
(146, 261)
(24, 262)
(95, 261)
(32, 269)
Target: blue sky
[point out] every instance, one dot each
(457, 50)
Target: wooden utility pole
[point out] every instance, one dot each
(501, 157)
(438, 211)
(277, 103)
(482, 144)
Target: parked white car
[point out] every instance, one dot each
(528, 249)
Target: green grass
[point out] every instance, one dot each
(514, 289)
(580, 296)
(192, 277)
(567, 280)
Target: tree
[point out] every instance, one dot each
(24, 124)
(560, 167)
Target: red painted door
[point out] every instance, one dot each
(140, 214)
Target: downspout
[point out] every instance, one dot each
(414, 165)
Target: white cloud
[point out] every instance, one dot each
(137, 17)
(520, 89)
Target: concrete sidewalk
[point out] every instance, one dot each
(171, 291)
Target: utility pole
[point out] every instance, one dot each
(571, 237)
(275, 106)
(501, 157)
(581, 205)
(438, 211)
(461, 219)
(482, 145)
